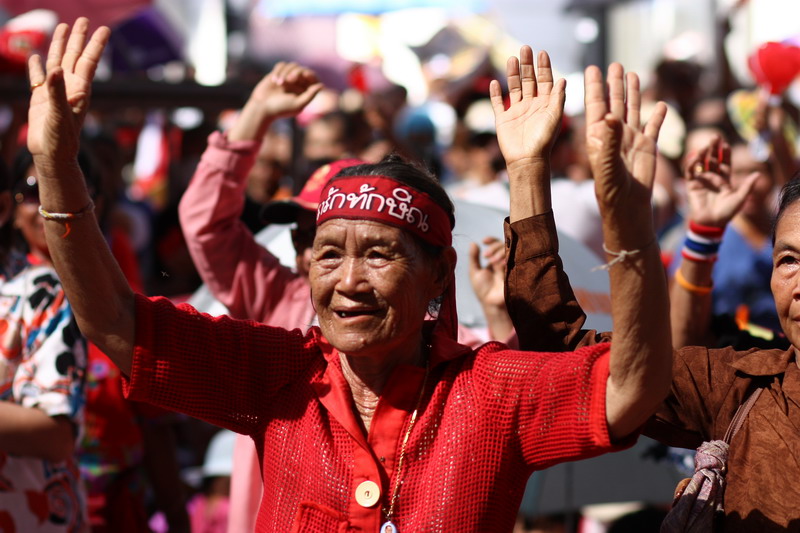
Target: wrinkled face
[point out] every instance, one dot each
(785, 281)
(371, 284)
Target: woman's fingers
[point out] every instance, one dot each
(527, 74)
(90, 56)
(653, 126)
(57, 45)
(496, 98)
(633, 101)
(544, 74)
(75, 44)
(616, 91)
(514, 82)
(36, 73)
(594, 95)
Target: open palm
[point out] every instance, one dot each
(527, 129)
(621, 154)
(60, 94)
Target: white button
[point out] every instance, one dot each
(368, 493)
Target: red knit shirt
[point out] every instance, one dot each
(488, 419)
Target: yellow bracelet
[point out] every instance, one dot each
(691, 287)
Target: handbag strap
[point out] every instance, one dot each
(741, 414)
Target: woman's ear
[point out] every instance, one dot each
(6, 207)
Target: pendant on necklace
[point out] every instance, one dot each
(389, 527)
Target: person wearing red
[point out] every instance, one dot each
(244, 275)
(378, 418)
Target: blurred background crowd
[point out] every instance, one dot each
(407, 76)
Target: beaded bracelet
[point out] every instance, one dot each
(66, 217)
(702, 242)
(689, 286)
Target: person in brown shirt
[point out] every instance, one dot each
(708, 385)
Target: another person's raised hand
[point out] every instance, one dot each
(488, 280)
(713, 199)
(622, 153)
(528, 128)
(283, 92)
(61, 90)
(488, 283)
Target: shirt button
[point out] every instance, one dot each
(368, 493)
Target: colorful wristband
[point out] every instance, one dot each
(702, 242)
(691, 287)
(710, 232)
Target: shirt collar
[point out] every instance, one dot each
(764, 362)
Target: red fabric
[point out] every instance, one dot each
(386, 200)
(711, 232)
(488, 419)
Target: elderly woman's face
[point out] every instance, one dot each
(370, 284)
(785, 281)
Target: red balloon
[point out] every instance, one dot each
(775, 65)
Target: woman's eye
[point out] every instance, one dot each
(327, 254)
(787, 260)
(377, 255)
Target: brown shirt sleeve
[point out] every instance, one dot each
(543, 308)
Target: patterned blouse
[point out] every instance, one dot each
(42, 366)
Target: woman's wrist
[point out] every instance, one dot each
(702, 242)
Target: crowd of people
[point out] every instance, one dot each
(350, 396)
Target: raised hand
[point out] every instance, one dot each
(488, 282)
(527, 129)
(621, 153)
(712, 197)
(60, 94)
(283, 92)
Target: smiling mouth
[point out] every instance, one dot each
(355, 313)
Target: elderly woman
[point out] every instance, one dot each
(377, 419)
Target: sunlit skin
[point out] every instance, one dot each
(785, 282)
(371, 284)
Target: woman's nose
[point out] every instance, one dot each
(353, 278)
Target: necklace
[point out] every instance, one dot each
(388, 526)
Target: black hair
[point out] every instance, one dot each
(24, 160)
(790, 194)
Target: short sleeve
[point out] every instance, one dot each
(553, 402)
(51, 374)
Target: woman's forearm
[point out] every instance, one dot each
(30, 432)
(98, 292)
(641, 362)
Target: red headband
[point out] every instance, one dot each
(386, 200)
